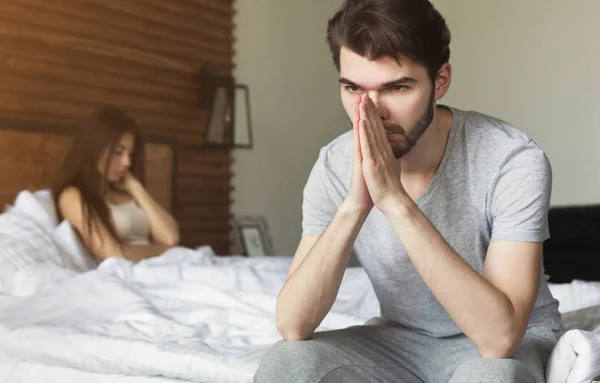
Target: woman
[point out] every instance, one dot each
(99, 194)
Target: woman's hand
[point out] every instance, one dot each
(163, 227)
(128, 183)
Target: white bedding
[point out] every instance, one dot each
(575, 295)
(576, 358)
(185, 315)
(15, 371)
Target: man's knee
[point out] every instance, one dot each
(291, 362)
(478, 370)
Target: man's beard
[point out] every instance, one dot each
(410, 138)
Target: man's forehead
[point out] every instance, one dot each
(364, 71)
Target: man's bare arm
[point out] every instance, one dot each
(318, 267)
(315, 276)
(492, 310)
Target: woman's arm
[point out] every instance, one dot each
(100, 242)
(163, 226)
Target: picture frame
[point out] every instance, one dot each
(251, 236)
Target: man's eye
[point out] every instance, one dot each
(399, 88)
(352, 88)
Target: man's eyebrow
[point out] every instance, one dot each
(344, 80)
(401, 81)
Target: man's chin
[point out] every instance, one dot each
(401, 151)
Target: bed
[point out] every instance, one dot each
(189, 315)
(572, 261)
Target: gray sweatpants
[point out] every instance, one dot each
(382, 353)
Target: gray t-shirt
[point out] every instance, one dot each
(493, 183)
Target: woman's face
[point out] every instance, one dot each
(119, 161)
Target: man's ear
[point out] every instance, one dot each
(443, 81)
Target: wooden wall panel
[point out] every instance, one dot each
(62, 59)
(45, 154)
(158, 169)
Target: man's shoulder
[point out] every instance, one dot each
(494, 137)
(482, 125)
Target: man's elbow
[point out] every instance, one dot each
(293, 335)
(293, 331)
(501, 346)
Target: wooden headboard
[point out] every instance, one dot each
(31, 154)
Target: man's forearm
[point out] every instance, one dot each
(481, 311)
(310, 291)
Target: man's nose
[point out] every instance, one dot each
(381, 109)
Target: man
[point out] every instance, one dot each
(445, 209)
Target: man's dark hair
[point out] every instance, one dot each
(374, 29)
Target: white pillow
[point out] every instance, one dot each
(34, 252)
(39, 206)
(47, 201)
(575, 295)
(23, 243)
(76, 256)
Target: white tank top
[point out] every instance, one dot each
(131, 224)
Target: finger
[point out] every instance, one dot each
(361, 109)
(365, 143)
(379, 131)
(355, 114)
(371, 127)
(366, 125)
(377, 126)
(366, 115)
(369, 146)
(356, 152)
(357, 155)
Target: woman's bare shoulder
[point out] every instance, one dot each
(69, 196)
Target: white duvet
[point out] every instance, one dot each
(185, 315)
(576, 358)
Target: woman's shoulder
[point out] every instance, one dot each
(71, 195)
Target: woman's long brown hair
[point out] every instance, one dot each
(102, 132)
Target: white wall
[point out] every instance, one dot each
(283, 57)
(443, 6)
(536, 64)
